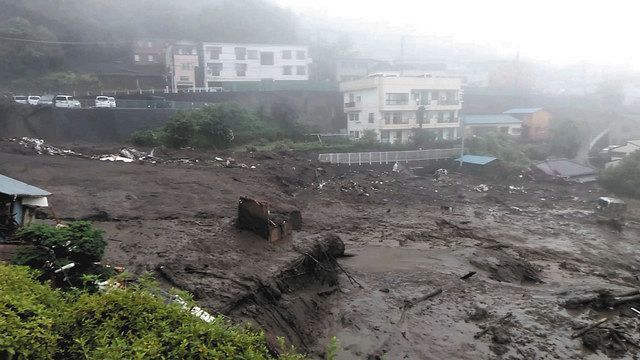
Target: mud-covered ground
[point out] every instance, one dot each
(532, 246)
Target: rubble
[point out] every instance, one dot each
(39, 146)
(256, 216)
(481, 188)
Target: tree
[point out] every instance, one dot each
(512, 155)
(623, 178)
(566, 138)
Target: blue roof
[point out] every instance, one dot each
(477, 159)
(489, 119)
(522, 111)
(13, 187)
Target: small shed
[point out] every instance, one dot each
(18, 202)
(478, 163)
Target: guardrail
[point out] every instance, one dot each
(385, 157)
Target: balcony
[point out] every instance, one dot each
(350, 104)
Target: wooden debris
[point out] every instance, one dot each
(408, 304)
(468, 275)
(490, 327)
(595, 324)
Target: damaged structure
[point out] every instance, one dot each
(256, 216)
(18, 202)
(564, 169)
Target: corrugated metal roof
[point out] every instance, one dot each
(13, 187)
(489, 119)
(477, 159)
(565, 168)
(522, 111)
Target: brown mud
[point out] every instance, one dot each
(533, 246)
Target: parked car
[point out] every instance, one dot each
(102, 102)
(33, 99)
(66, 101)
(112, 101)
(45, 100)
(20, 99)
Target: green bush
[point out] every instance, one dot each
(53, 247)
(623, 178)
(28, 312)
(38, 322)
(147, 138)
(512, 155)
(180, 130)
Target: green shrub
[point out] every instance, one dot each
(512, 155)
(147, 138)
(28, 312)
(38, 322)
(52, 247)
(180, 130)
(623, 178)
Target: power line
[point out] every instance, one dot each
(63, 42)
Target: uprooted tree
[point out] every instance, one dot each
(50, 248)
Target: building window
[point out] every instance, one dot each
(180, 51)
(301, 70)
(241, 69)
(185, 78)
(358, 98)
(252, 54)
(150, 58)
(354, 134)
(300, 55)
(394, 118)
(241, 53)
(214, 53)
(286, 70)
(286, 54)
(214, 69)
(194, 51)
(397, 99)
(371, 118)
(266, 58)
(385, 135)
(354, 116)
(446, 117)
(136, 57)
(186, 66)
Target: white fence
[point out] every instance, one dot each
(385, 157)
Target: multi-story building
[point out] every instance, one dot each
(149, 52)
(390, 105)
(182, 66)
(227, 62)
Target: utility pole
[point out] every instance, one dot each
(462, 145)
(401, 55)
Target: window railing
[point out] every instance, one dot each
(397, 102)
(350, 104)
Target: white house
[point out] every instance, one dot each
(225, 62)
(389, 104)
(497, 123)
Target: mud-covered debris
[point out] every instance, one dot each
(41, 148)
(505, 268)
(516, 189)
(478, 314)
(565, 265)
(256, 216)
(501, 335)
(604, 299)
(481, 188)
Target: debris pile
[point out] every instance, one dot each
(481, 188)
(39, 146)
(256, 216)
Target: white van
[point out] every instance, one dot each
(66, 101)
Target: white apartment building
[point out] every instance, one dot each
(224, 62)
(388, 104)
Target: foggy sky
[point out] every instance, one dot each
(559, 31)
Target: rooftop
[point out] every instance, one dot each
(476, 159)
(522, 111)
(565, 168)
(13, 187)
(489, 119)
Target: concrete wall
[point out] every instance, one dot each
(80, 125)
(321, 111)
